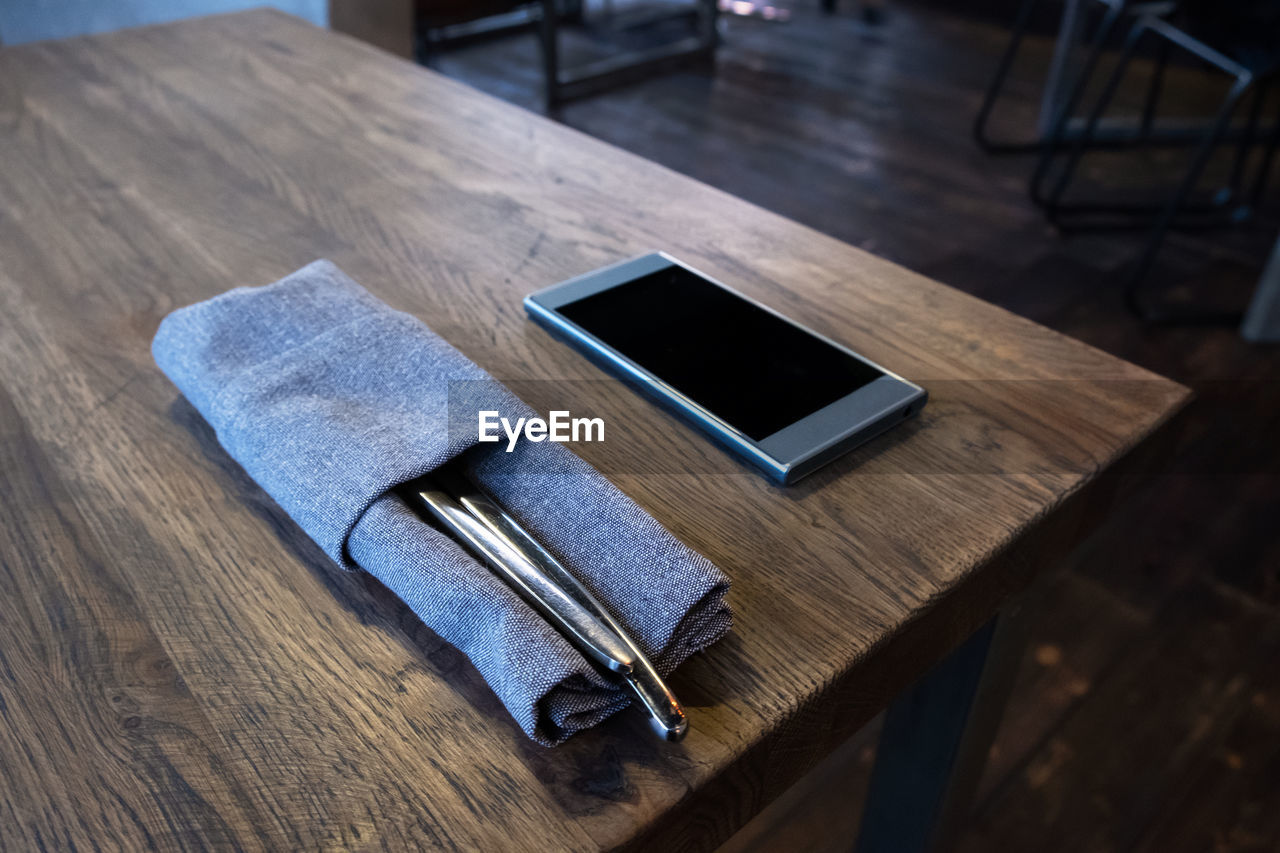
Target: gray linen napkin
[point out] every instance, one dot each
(329, 399)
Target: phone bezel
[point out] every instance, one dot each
(787, 454)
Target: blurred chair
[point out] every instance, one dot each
(438, 22)
(443, 22)
(1239, 39)
(872, 10)
(443, 13)
(1064, 85)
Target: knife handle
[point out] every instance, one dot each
(576, 622)
(666, 716)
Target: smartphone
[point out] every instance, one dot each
(782, 397)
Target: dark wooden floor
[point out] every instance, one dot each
(1147, 710)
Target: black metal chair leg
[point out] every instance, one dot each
(1245, 146)
(997, 85)
(709, 26)
(1063, 118)
(1154, 89)
(1264, 168)
(422, 52)
(1051, 202)
(1132, 296)
(548, 37)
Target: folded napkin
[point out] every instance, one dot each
(329, 399)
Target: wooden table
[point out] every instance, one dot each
(180, 667)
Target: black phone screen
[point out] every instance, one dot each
(745, 365)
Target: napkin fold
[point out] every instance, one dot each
(329, 399)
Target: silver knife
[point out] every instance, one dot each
(666, 716)
(506, 536)
(555, 605)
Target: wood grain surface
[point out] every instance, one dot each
(181, 668)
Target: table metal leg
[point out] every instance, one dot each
(934, 744)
